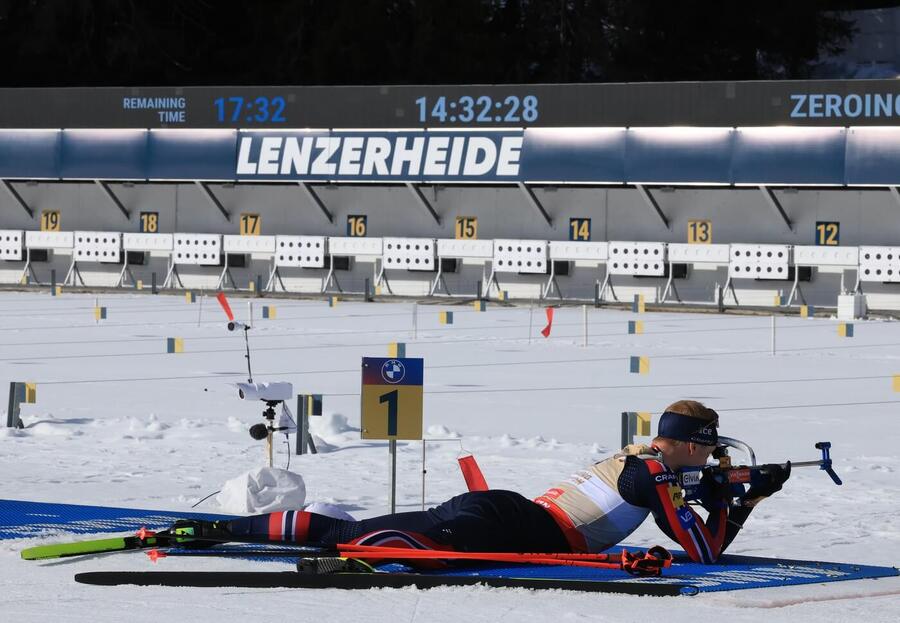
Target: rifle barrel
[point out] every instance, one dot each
(806, 464)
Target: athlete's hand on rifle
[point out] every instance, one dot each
(716, 490)
(776, 476)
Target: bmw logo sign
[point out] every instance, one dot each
(393, 371)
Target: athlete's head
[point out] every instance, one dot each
(687, 434)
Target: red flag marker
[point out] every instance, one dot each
(224, 303)
(546, 330)
(472, 474)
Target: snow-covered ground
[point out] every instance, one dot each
(119, 422)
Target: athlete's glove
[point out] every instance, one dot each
(649, 563)
(716, 491)
(777, 476)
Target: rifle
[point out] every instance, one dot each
(739, 475)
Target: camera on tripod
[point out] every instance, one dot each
(273, 394)
(267, 392)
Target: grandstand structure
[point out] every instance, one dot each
(759, 193)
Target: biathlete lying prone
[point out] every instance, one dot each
(591, 511)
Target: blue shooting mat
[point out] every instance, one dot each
(20, 519)
(728, 574)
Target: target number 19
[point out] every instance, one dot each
(50, 220)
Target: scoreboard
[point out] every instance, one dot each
(710, 104)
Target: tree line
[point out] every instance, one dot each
(328, 42)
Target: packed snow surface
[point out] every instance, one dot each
(119, 422)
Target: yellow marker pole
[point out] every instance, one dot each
(31, 393)
(639, 365)
(19, 393)
(634, 423)
(637, 305)
(174, 345)
(643, 423)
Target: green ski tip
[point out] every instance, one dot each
(142, 540)
(78, 548)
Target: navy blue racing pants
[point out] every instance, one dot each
(478, 521)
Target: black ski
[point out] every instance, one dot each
(239, 552)
(292, 579)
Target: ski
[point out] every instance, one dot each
(240, 552)
(353, 580)
(156, 543)
(142, 539)
(95, 546)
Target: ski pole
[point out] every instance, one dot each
(348, 548)
(407, 554)
(649, 563)
(359, 551)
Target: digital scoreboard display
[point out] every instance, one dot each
(272, 107)
(710, 104)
